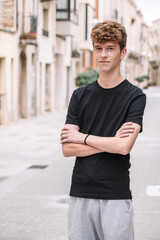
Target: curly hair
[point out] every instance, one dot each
(109, 31)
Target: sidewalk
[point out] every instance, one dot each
(35, 180)
(34, 199)
(29, 141)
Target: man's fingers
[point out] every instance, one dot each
(65, 140)
(128, 127)
(128, 123)
(63, 136)
(126, 131)
(69, 128)
(63, 132)
(124, 135)
(65, 129)
(123, 128)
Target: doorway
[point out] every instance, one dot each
(22, 99)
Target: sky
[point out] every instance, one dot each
(150, 9)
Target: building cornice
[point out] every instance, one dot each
(132, 3)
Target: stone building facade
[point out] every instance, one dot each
(27, 58)
(154, 53)
(45, 44)
(8, 61)
(126, 12)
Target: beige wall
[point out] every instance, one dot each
(8, 81)
(27, 66)
(38, 75)
(154, 52)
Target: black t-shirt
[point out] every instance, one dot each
(101, 112)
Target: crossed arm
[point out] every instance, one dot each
(73, 141)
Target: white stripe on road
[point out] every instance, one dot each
(153, 190)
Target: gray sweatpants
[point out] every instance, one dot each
(94, 219)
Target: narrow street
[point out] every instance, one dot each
(35, 177)
(145, 159)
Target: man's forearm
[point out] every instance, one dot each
(108, 144)
(114, 144)
(122, 143)
(78, 150)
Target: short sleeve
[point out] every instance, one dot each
(72, 114)
(136, 110)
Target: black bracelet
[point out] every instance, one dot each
(86, 139)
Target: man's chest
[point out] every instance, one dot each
(102, 114)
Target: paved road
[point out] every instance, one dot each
(35, 177)
(145, 171)
(33, 201)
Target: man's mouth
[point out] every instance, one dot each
(104, 62)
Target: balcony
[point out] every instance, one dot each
(67, 18)
(134, 56)
(45, 33)
(155, 64)
(29, 35)
(45, 0)
(75, 54)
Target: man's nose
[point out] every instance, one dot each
(104, 53)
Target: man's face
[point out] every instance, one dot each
(108, 55)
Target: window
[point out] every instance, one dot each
(45, 0)
(75, 7)
(63, 4)
(63, 10)
(116, 14)
(0, 12)
(33, 24)
(45, 22)
(89, 16)
(45, 19)
(86, 32)
(66, 10)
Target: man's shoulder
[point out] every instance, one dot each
(82, 89)
(134, 89)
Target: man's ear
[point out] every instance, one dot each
(123, 53)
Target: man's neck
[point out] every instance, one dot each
(109, 80)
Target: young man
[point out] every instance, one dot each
(102, 124)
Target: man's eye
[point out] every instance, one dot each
(110, 49)
(98, 49)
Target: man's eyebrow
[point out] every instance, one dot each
(111, 46)
(106, 46)
(97, 46)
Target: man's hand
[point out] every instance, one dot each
(69, 135)
(125, 130)
(118, 145)
(73, 141)
(75, 149)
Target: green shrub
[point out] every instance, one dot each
(141, 79)
(146, 77)
(87, 77)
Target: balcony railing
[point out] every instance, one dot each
(154, 64)
(45, 33)
(134, 56)
(45, 0)
(75, 54)
(29, 28)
